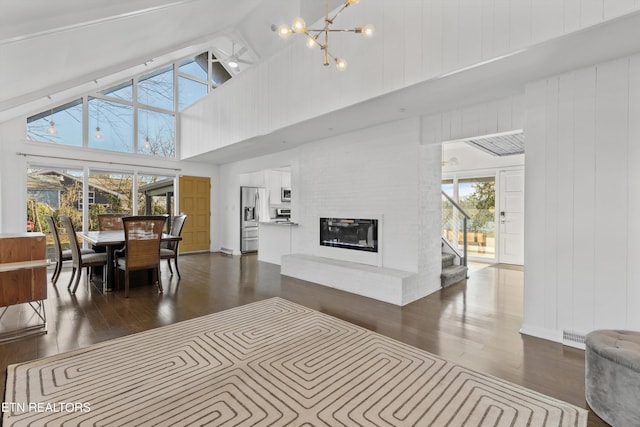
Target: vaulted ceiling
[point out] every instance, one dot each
(47, 47)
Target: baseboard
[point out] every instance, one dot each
(547, 334)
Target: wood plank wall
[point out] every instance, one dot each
(583, 200)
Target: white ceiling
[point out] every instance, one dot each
(48, 47)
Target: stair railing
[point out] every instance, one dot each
(453, 223)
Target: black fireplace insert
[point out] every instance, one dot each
(349, 233)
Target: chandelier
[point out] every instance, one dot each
(314, 36)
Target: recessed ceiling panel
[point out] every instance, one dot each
(500, 145)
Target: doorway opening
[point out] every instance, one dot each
(485, 176)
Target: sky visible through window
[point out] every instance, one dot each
(112, 112)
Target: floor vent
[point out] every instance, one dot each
(573, 339)
(226, 251)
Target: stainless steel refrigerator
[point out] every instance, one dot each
(254, 209)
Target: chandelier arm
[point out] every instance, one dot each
(344, 6)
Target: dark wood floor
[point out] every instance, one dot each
(475, 325)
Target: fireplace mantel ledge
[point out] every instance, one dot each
(384, 284)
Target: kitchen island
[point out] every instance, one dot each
(275, 240)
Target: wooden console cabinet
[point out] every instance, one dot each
(23, 276)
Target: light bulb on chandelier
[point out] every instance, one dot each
(299, 26)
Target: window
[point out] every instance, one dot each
(113, 193)
(195, 67)
(135, 116)
(115, 121)
(189, 92)
(155, 195)
(156, 89)
(61, 125)
(52, 191)
(156, 133)
(91, 199)
(122, 91)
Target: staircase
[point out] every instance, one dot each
(451, 273)
(454, 224)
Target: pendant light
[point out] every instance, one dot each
(98, 134)
(52, 125)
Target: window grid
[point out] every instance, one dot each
(88, 132)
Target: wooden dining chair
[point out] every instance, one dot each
(169, 250)
(111, 221)
(79, 259)
(142, 236)
(61, 255)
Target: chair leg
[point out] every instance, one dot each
(169, 264)
(175, 261)
(73, 274)
(75, 287)
(158, 279)
(56, 272)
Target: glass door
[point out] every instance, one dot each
(477, 196)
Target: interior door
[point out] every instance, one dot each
(511, 217)
(195, 201)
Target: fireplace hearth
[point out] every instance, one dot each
(349, 233)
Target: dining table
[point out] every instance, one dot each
(112, 240)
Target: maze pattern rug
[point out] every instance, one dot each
(270, 363)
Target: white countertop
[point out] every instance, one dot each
(280, 222)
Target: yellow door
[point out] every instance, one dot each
(195, 201)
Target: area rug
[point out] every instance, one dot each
(269, 363)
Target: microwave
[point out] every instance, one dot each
(285, 194)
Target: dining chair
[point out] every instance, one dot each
(142, 236)
(111, 221)
(61, 255)
(169, 250)
(79, 259)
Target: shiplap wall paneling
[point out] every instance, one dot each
(471, 119)
(520, 23)
(552, 226)
(412, 44)
(488, 123)
(548, 19)
(535, 223)
(613, 8)
(501, 24)
(432, 38)
(394, 29)
(416, 41)
(451, 35)
(565, 230)
(592, 12)
(571, 15)
(470, 41)
(633, 190)
(584, 201)
(612, 103)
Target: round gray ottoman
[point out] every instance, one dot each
(612, 376)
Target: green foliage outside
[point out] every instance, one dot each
(481, 206)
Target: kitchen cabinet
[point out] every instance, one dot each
(276, 179)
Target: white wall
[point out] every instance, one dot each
(370, 172)
(383, 170)
(582, 203)
(416, 40)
